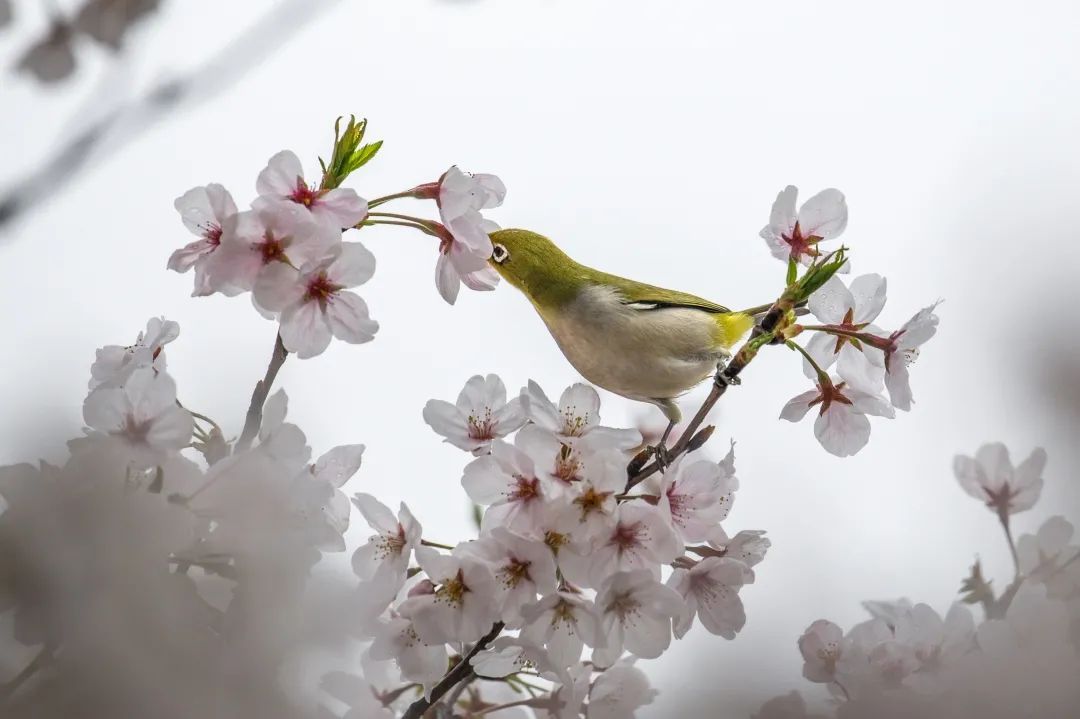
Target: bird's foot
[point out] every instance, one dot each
(722, 378)
(661, 455)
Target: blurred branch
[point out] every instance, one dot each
(41, 660)
(134, 117)
(258, 397)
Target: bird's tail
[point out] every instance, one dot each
(731, 326)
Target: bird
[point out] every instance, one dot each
(639, 341)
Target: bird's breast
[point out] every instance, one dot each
(640, 354)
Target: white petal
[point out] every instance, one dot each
(447, 279)
(858, 371)
(830, 303)
(304, 330)
(824, 215)
(341, 208)
(279, 178)
(782, 218)
(798, 406)
(170, 429)
(277, 286)
(841, 430)
(274, 411)
(376, 514)
(354, 265)
(347, 315)
(869, 293)
(339, 464)
(822, 347)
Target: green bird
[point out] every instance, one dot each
(639, 341)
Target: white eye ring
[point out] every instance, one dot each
(499, 253)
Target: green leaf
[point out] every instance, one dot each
(362, 156)
(348, 154)
(792, 271)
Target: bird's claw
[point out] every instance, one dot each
(722, 379)
(662, 455)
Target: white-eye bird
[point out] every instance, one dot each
(639, 341)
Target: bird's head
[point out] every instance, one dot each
(535, 265)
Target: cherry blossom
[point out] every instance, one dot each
(506, 482)
(385, 556)
(901, 349)
(564, 623)
(313, 303)
(577, 417)
(748, 546)
(397, 640)
(523, 569)
(619, 692)
(114, 364)
(272, 234)
(509, 655)
(989, 476)
(464, 251)
(463, 606)
(283, 181)
(795, 235)
(851, 310)
(635, 614)
(205, 211)
(842, 426)
(142, 414)
(821, 646)
(710, 591)
(935, 643)
(357, 694)
(480, 415)
(640, 538)
(1047, 557)
(696, 495)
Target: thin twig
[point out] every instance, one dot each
(258, 397)
(460, 671)
(42, 658)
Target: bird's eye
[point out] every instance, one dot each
(499, 253)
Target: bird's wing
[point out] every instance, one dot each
(644, 297)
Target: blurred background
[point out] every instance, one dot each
(646, 138)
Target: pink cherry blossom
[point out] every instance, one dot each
(710, 591)
(114, 364)
(480, 415)
(852, 310)
(901, 349)
(313, 303)
(619, 692)
(507, 483)
(640, 538)
(385, 556)
(523, 568)
(463, 606)
(635, 614)
(821, 646)
(563, 622)
(795, 235)
(205, 211)
(696, 495)
(576, 417)
(283, 181)
(464, 251)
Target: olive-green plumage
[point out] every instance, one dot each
(640, 341)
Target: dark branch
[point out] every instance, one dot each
(258, 397)
(461, 671)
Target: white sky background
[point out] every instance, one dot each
(648, 139)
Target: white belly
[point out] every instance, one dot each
(640, 354)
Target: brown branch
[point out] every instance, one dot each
(40, 660)
(461, 671)
(258, 397)
(764, 333)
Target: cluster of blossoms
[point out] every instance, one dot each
(586, 560)
(868, 360)
(907, 660)
(288, 249)
(566, 563)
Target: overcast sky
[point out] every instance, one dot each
(648, 139)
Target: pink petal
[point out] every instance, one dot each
(279, 178)
(348, 317)
(304, 330)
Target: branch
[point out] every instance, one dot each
(134, 117)
(258, 397)
(461, 671)
(40, 660)
(765, 332)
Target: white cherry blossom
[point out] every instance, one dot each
(851, 310)
(114, 364)
(283, 181)
(821, 646)
(635, 614)
(697, 495)
(480, 415)
(748, 546)
(397, 640)
(842, 426)
(989, 476)
(506, 482)
(564, 623)
(523, 568)
(901, 349)
(576, 417)
(710, 591)
(795, 235)
(619, 692)
(313, 303)
(142, 414)
(1047, 557)
(640, 538)
(385, 556)
(463, 606)
(205, 211)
